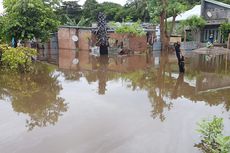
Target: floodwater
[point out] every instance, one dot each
(115, 104)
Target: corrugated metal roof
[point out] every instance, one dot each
(218, 3)
(196, 10)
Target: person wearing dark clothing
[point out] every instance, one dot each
(180, 57)
(211, 39)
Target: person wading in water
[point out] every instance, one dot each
(180, 57)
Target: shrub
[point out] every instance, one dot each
(213, 140)
(225, 30)
(133, 29)
(17, 58)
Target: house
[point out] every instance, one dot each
(196, 10)
(215, 13)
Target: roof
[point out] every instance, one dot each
(218, 3)
(196, 10)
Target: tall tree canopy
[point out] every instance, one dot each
(90, 10)
(69, 10)
(137, 10)
(110, 10)
(160, 10)
(28, 19)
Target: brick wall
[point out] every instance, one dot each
(85, 37)
(65, 38)
(135, 43)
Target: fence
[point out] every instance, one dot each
(187, 46)
(49, 51)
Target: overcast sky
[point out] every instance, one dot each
(122, 2)
(1, 6)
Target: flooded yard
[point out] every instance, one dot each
(115, 104)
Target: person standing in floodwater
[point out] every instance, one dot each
(180, 57)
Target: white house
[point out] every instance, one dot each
(196, 10)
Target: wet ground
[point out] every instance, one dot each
(115, 104)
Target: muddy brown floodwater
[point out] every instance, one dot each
(115, 104)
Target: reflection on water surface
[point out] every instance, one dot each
(34, 94)
(136, 103)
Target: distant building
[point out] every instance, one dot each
(215, 13)
(196, 10)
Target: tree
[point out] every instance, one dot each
(101, 34)
(174, 9)
(69, 10)
(158, 12)
(1, 25)
(110, 9)
(90, 11)
(138, 10)
(26, 19)
(225, 30)
(194, 23)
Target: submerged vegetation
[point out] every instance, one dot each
(212, 137)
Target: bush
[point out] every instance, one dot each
(19, 59)
(133, 29)
(213, 140)
(225, 30)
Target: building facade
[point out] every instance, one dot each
(215, 13)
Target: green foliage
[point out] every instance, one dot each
(137, 10)
(175, 7)
(28, 19)
(90, 11)
(1, 32)
(83, 22)
(110, 10)
(193, 23)
(69, 11)
(225, 30)
(17, 58)
(133, 29)
(213, 140)
(155, 8)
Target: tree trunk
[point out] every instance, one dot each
(173, 24)
(185, 36)
(163, 27)
(162, 32)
